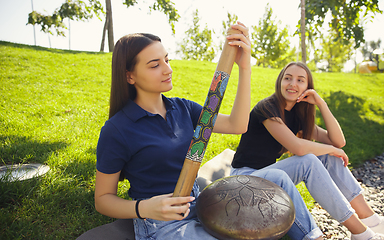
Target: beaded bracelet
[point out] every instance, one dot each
(137, 209)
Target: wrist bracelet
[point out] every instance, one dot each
(137, 209)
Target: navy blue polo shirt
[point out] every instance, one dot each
(147, 148)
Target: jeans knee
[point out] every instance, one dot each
(310, 156)
(310, 160)
(276, 176)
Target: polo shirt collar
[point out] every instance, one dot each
(135, 112)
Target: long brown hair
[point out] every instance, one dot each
(124, 58)
(304, 111)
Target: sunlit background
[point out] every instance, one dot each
(86, 36)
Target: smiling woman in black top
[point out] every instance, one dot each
(284, 122)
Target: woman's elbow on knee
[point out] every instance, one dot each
(299, 151)
(341, 144)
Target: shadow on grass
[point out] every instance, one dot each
(363, 136)
(49, 208)
(58, 205)
(20, 149)
(83, 168)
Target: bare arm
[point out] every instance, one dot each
(299, 146)
(106, 200)
(333, 135)
(163, 207)
(237, 121)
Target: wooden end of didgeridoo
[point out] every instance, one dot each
(187, 178)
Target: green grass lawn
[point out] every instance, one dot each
(54, 102)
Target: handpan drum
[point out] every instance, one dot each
(245, 207)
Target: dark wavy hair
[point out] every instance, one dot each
(124, 58)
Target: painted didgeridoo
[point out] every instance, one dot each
(207, 120)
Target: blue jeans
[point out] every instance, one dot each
(188, 228)
(330, 183)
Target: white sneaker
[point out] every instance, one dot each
(379, 228)
(378, 236)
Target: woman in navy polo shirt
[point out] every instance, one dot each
(147, 136)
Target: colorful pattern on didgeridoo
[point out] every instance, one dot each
(208, 117)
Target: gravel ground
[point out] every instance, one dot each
(371, 177)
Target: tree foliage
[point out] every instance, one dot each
(232, 19)
(347, 17)
(369, 47)
(164, 6)
(271, 46)
(74, 10)
(167, 7)
(334, 53)
(198, 44)
(84, 10)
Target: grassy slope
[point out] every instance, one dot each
(53, 104)
(356, 100)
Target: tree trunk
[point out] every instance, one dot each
(111, 42)
(108, 26)
(103, 37)
(302, 24)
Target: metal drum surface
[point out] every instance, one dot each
(245, 207)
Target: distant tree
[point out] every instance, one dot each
(85, 10)
(232, 19)
(347, 18)
(369, 47)
(271, 45)
(334, 53)
(375, 45)
(198, 44)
